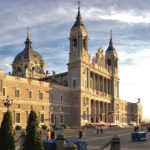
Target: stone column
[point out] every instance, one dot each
(103, 85)
(103, 106)
(98, 80)
(60, 142)
(98, 111)
(106, 112)
(94, 111)
(107, 86)
(90, 110)
(110, 86)
(118, 89)
(93, 81)
(89, 78)
(115, 143)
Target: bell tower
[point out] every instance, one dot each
(112, 63)
(78, 50)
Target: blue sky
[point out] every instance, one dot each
(50, 23)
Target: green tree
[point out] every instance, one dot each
(33, 139)
(7, 141)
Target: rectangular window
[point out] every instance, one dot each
(61, 98)
(41, 96)
(18, 105)
(52, 118)
(4, 92)
(42, 118)
(30, 94)
(74, 83)
(52, 97)
(17, 117)
(61, 119)
(17, 94)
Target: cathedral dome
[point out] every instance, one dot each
(28, 63)
(28, 54)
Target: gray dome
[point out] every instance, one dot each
(28, 53)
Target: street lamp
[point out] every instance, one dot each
(7, 102)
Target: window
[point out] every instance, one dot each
(52, 118)
(4, 92)
(18, 105)
(30, 94)
(74, 43)
(84, 82)
(84, 43)
(60, 108)
(17, 117)
(42, 107)
(52, 97)
(61, 98)
(17, 93)
(42, 118)
(41, 96)
(109, 62)
(61, 119)
(52, 108)
(74, 83)
(31, 107)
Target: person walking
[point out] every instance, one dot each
(53, 134)
(80, 133)
(84, 131)
(97, 130)
(101, 128)
(48, 135)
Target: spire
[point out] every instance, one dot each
(111, 45)
(78, 21)
(28, 41)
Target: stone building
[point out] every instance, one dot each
(88, 93)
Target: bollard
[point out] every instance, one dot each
(60, 142)
(70, 146)
(115, 143)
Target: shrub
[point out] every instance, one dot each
(6, 133)
(65, 126)
(18, 127)
(44, 127)
(33, 140)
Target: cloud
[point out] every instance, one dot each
(50, 23)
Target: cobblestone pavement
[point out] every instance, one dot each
(95, 142)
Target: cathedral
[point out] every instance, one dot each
(88, 93)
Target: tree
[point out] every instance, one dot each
(33, 139)
(7, 141)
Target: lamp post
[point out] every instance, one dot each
(55, 116)
(7, 102)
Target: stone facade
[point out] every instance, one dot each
(87, 94)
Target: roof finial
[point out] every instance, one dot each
(111, 34)
(78, 3)
(111, 45)
(28, 33)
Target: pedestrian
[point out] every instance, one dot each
(14, 133)
(53, 134)
(97, 130)
(84, 131)
(101, 128)
(80, 133)
(41, 133)
(48, 135)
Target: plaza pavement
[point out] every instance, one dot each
(95, 142)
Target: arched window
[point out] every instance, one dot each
(109, 62)
(74, 43)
